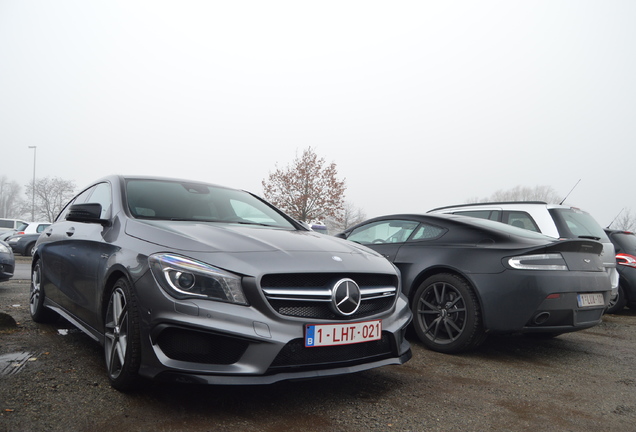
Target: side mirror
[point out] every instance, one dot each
(341, 235)
(90, 213)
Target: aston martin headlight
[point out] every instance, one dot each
(183, 278)
(553, 261)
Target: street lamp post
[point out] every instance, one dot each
(33, 185)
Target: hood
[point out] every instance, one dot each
(256, 250)
(234, 238)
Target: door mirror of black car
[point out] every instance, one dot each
(90, 213)
(341, 235)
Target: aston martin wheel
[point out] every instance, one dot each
(39, 313)
(121, 342)
(446, 314)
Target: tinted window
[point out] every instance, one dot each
(482, 214)
(6, 224)
(173, 200)
(625, 242)
(390, 231)
(520, 219)
(511, 229)
(427, 232)
(573, 223)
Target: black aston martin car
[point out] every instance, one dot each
(467, 277)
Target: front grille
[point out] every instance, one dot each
(198, 347)
(309, 295)
(296, 355)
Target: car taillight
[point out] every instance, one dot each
(626, 260)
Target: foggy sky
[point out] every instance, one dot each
(420, 104)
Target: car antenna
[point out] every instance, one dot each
(566, 197)
(619, 213)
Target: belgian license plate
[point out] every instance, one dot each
(590, 300)
(342, 334)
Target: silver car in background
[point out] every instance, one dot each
(189, 282)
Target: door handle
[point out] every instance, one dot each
(70, 231)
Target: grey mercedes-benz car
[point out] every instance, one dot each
(190, 282)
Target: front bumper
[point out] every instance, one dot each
(202, 341)
(7, 267)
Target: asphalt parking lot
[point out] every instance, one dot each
(53, 378)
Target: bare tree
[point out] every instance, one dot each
(51, 195)
(524, 193)
(351, 215)
(10, 202)
(624, 221)
(308, 189)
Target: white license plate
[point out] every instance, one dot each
(590, 300)
(342, 334)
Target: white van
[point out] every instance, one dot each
(10, 224)
(553, 220)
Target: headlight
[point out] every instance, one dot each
(552, 261)
(183, 278)
(13, 239)
(4, 249)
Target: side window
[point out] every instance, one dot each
(393, 231)
(520, 219)
(79, 199)
(41, 227)
(427, 232)
(494, 215)
(100, 194)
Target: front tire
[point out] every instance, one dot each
(122, 348)
(39, 312)
(29, 249)
(446, 315)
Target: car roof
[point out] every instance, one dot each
(504, 204)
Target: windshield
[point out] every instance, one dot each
(573, 223)
(187, 201)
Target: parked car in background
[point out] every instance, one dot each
(554, 220)
(625, 244)
(23, 241)
(32, 227)
(23, 244)
(4, 235)
(9, 224)
(467, 277)
(7, 262)
(190, 282)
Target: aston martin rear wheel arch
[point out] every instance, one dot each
(617, 303)
(446, 314)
